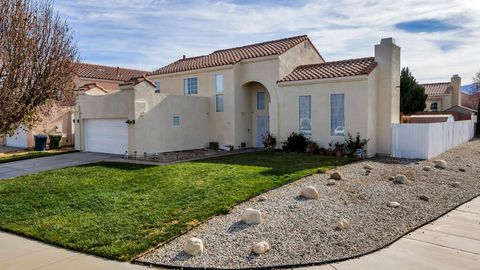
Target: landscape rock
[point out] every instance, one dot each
(440, 164)
(368, 167)
(462, 169)
(251, 216)
(262, 198)
(331, 182)
(261, 248)
(336, 176)
(309, 192)
(394, 204)
(193, 246)
(391, 178)
(427, 168)
(424, 198)
(456, 184)
(400, 179)
(343, 224)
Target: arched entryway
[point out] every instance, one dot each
(259, 104)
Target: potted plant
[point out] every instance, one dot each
(339, 149)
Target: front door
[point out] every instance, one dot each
(262, 129)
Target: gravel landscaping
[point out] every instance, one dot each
(301, 231)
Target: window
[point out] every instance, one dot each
(157, 86)
(190, 86)
(176, 121)
(337, 115)
(305, 115)
(219, 93)
(260, 100)
(434, 106)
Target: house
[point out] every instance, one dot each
(234, 96)
(91, 80)
(441, 96)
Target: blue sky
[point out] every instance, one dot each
(438, 38)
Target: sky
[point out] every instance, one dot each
(438, 38)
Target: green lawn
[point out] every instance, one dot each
(21, 155)
(119, 210)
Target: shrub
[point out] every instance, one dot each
(269, 141)
(351, 144)
(295, 143)
(313, 148)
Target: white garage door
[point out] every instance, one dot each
(19, 139)
(106, 135)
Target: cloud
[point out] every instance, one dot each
(147, 34)
(426, 26)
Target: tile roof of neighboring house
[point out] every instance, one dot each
(232, 56)
(107, 73)
(137, 80)
(334, 69)
(470, 101)
(437, 89)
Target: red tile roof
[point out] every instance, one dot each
(470, 101)
(93, 71)
(437, 89)
(334, 69)
(232, 56)
(137, 80)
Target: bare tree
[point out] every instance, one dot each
(37, 56)
(476, 80)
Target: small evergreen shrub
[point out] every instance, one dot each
(351, 144)
(295, 143)
(269, 141)
(313, 148)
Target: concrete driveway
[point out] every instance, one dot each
(35, 165)
(6, 149)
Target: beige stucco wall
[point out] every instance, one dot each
(302, 54)
(443, 102)
(356, 91)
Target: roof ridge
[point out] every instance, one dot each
(105, 66)
(260, 43)
(337, 61)
(436, 83)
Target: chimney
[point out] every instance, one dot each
(118, 71)
(184, 56)
(387, 56)
(456, 83)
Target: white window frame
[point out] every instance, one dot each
(188, 86)
(157, 86)
(305, 119)
(219, 86)
(332, 129)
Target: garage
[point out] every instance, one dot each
(106, 135)
(19, 139)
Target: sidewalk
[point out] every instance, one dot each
(451, 242)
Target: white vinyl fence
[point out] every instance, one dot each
(424, 141)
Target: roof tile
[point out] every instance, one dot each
(437, 89)
(106, 72)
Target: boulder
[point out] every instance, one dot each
(400, 179)
(393, 204)
(343, 224)
(251, 216)
(336, 176)
(260, 248)
(262, 198)
(193, 247)
(331, 182)
(440, 164)
(427, 168)
(309, 192)
(368, 167)
(456, 184)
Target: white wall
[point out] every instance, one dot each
(424, 141)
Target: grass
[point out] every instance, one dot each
(119, 210)
(22, 155)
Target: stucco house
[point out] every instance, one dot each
(444, 95)
(91, 79)
(234, 96)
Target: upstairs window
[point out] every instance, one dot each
(305, 115)
(260, 101)
(157, 86)
(219, 93)
(190, 86)
(176, 121)
(434, 106)
(337, 115)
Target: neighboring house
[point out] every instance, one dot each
(235, 96)
(91, 80)
(444, 95)
(470, 95)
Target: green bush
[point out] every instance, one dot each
(269, 141)
(313, 148)
(351, 144)
(295, 143)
